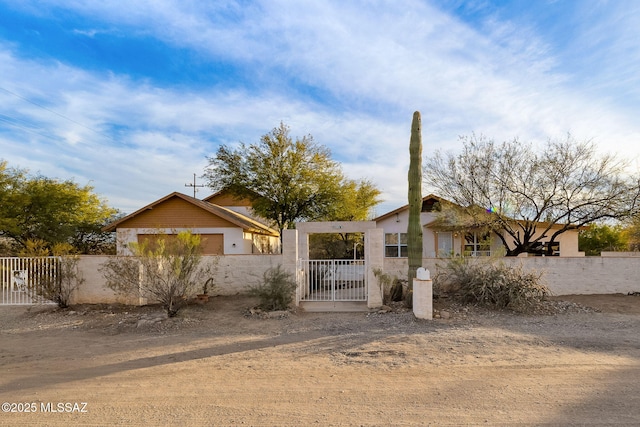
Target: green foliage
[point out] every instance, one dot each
(597, 238)
(632, 233)
(492, 284)
(167, 270)
(34, 248)
(39, 208)
(336, 246)
(276, 289)
(354, 201)
(289, 180)
(414, 230)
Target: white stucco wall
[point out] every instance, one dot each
(234, 274)
(563, 275)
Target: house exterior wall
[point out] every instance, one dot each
(568, 243)
(234, 241)
(175, 213)
(398, 223)
(227, 200)
(241, 206)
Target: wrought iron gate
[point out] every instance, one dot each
(332, 280)
(22, 279)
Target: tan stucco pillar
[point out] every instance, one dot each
(290, 255)
(374, 259)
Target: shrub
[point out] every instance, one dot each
(58, 287)
(276, 289)
(492, 284)
(167, 270)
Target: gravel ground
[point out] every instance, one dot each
(576, 361)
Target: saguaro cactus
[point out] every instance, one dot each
(414, 230)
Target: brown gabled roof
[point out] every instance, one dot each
(242, 221)
(406, 207)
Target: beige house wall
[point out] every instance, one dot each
(399, 222)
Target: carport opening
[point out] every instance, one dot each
(336, 246)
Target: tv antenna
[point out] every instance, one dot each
(194, 185)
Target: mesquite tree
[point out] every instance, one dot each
(528, 197)
(414, 230)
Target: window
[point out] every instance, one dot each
(545, 249)
(476, 244)
(395, 245)
(445, 244)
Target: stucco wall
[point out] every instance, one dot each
(234, 238)
(234, 274)
(398, 224)
(563, 275)
(94, 289)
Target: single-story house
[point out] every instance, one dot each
(439, 242)
(224, 223)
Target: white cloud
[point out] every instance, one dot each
(373, 64)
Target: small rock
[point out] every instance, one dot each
(144, 322)
(445, 314)
(277, 314)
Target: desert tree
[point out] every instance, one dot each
(52, 211)
(596, 238)
(528, 197)
(288, 180)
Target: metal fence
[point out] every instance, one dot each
(332, 280)
(23, 280)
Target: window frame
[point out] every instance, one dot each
(400, 245)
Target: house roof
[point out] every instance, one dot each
(436, 223)
(242, 221)
(406, 207)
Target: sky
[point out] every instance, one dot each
(130, 97)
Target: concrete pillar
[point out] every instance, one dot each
(374, 259)
(290, 255)
(423, 295)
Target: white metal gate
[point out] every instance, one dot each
(22, 279)
(332, 280)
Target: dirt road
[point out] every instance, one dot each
(218, 365)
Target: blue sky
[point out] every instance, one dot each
(131, 96)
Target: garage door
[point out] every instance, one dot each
(212, 244)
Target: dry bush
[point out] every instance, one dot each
(492, 284)
(276, 289)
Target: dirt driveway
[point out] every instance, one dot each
(217, 364)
